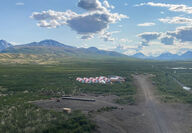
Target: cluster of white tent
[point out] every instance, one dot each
(100, 80)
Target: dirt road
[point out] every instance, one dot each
(164, 118)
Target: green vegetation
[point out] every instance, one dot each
(30, 119)
(126, 100)
(170, 90)
(22, 83)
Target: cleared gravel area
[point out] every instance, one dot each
(147, 116)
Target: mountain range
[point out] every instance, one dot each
(56, 48)
(53, 47)
(166, 56)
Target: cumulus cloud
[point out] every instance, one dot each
(148, 36)
(89, 23)
(183, 33)
(171, 7)
(146, 24)
(126, 49)
(106, 36)
(176, 20)
(107, 5)
(53, 19)
(95, 21)
(167, 40)
(91, 5)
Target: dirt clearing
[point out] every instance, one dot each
(148, 116)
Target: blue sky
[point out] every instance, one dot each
(127, 26)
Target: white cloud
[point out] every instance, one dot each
(176, 42)
(126, 49)
(176, 20)
(140, 4)
(146, 24)
(106, 36)
(95, 21)
(148, 36)
(171, 7)
(164, 38)
(183, 33)
(107, 5)
(20, 4)
(91, 5)
(47, 18)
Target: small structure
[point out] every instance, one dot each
(117, 79)
(67, 110)
(186, 88)
(78, 99)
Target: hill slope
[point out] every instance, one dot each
(57, 48)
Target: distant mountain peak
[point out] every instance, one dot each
(4, 44)
(139, 55)
(49, 41)
(93, 48)
(188, 53)
(2, 40)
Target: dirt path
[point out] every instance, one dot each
(163, 117)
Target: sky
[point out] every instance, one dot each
(126, 26)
